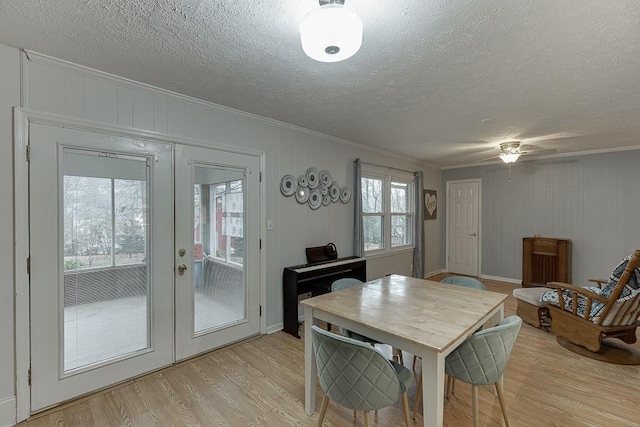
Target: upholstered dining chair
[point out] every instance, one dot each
(467, 282)
(482, 358)
(358, 376)
(347, 283)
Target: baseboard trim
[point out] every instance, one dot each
(501, 279)
(433, 273)
(275, 328)
(8, 412)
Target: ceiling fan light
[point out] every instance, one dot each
(509, 157)
(331, 33)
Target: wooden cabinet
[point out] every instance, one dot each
(545, 260)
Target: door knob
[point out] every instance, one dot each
(182, 268)
(473, 234)
(182, 252)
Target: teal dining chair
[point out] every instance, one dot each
(481, 360)
(358, 376)
(467, 282)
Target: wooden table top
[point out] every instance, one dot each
(429, 314)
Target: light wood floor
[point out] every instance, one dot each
(260, 382)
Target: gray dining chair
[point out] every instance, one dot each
(358, 376)
(467, 282)
(347, 283)
(481, 360)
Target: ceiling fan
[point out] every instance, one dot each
(510, 151)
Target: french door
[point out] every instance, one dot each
(107, 302)
(217, 249)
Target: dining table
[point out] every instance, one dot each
(422, 317)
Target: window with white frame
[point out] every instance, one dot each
(387, 210)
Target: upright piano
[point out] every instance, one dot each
(307, 280)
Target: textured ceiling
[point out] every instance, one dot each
(442, 81)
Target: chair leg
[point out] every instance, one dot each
(405, 408)
(367, 420)
(323, 409)
(413, 366)
(502, 406)
(476, 411)
(397, 355)
(418, 397)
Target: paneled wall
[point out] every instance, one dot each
(61, 88)
(55, 86)
(9, 97)
(592, 200)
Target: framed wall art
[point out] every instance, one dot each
(430, 198)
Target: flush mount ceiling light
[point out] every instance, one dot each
(510, 151)
(331, 33)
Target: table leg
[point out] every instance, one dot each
(495, 319)
(432, 388)
(309, 365)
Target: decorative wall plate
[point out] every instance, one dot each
(324, 190)
(288, 185)
(345, 195)
(325, 178)
(315, 199)
(302, 181)
(302, 194)
(326, 200)
(312, 177)
(334, 192)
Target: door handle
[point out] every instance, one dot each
(182, 268)
(473, 234)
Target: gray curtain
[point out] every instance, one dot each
(358, 231)
(418, 238)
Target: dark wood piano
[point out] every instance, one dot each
(307, 280)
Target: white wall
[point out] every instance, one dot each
(57, 87)
(9, 97)
(593, 200)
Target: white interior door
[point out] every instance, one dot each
(463, 227)
(101, 251)
(217, 249)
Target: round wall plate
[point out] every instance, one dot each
(345, 195)
(326, 199)
(288, 185)
(302, 181)
(325, 178)
(302, 194)
(315, 199)
(312, 177)
(334, 192)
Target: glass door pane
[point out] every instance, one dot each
(105, 216)
(218, 218)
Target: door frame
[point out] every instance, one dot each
(460, 181)
(22, 119)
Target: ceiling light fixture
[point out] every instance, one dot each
(331, 33)
(509, 157)
(510, 151)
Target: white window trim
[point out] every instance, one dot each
(388, 176)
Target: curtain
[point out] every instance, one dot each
(358, 231)
(418, 238)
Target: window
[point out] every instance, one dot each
(105, 210)
(222, 234)
(387, 210)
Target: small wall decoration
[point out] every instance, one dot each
(314, 188)
(430, 204)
